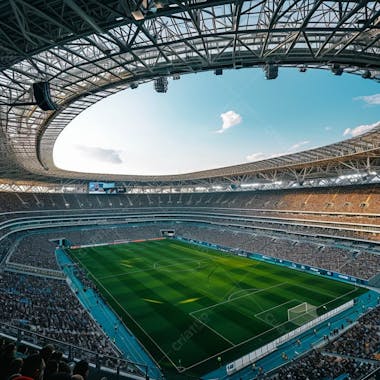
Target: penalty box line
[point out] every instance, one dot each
(230, 300)
(234, 299)
(272, 308)
(214, 331)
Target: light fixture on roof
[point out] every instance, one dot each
(367, 74)
(134, 85)
(138, 15)
(145, 7)
(161, 3)
(336, 69)
(271, 71)
(218, 71)
(161, 84)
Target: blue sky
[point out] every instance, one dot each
(206, 121)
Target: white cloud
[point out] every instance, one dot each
(256, 156)
(370, 99)
(353, 132)
(111, 156)
(265, 156)
(298, 145)
(230, 119)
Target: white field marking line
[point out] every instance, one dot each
(142, 329)
(341, 296)
(240, 291)
(270, 324)
(234, 299)
(312, 290)
(199, 263)
(325, 293)
(216, 332)
(125, 273)
(275, 307)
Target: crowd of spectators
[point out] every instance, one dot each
(345, 355)
(37, 250)
(316, 366)
(349, 199)
(48, 307)
(304, 211)
(362, 340)
(309, 251)
(44, 364)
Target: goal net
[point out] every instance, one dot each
(302, 313)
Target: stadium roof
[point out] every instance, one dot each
(88, 49)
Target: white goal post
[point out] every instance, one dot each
(302, 312)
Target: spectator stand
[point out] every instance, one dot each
(109, 321)
(287, 263)
(101, 366)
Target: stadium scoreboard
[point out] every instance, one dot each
(105, 188)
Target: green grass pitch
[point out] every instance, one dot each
(188, 304)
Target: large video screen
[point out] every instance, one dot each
(102, 188)
(105, 188)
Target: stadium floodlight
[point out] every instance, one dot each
(218, 71)
(138, 15)
(271, 71)
(145, 7)
(367, 75)
(336, 69)
(161, 84)
(134, 85)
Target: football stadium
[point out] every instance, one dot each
(264, 269)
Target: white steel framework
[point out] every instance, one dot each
(89, 49)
